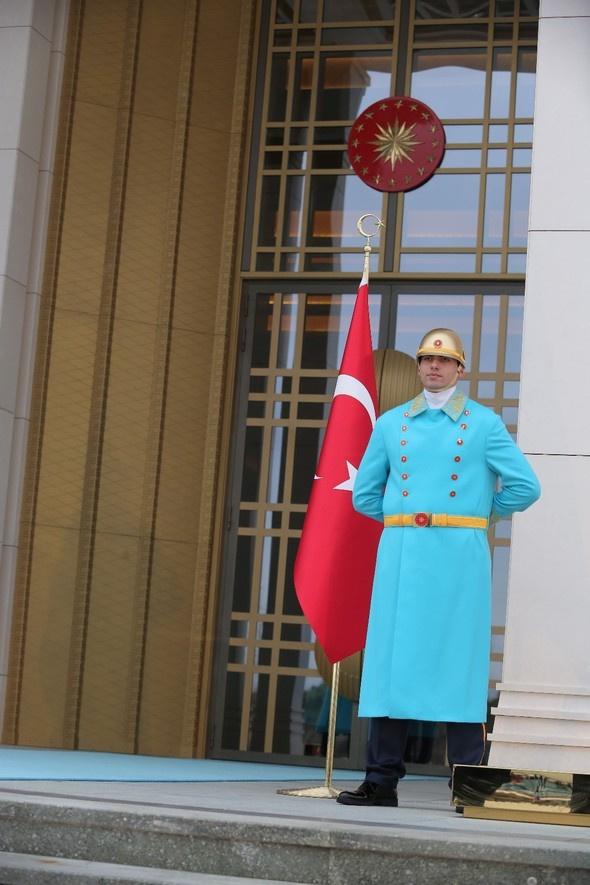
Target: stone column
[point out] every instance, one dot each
(32, 34)
(543, 715)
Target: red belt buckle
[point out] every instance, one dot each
(421, 520)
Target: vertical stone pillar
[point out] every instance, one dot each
(543, 715)
(32, 34)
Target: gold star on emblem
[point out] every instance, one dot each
(395, 143)
(434, 143)
(430, 158)
(355, 143)
(369, 115)
(398, 104)
(392, 182)
(413, 107)
(421, 170)
(382, 107)
(360, 127)
(377, 179)
(425, 116)
(365, 170)
(408, 179)
(357, 158)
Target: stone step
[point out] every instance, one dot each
(30, 869)
(278, 839)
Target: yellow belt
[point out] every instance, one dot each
(423, 520)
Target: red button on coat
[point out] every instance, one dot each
(454, 476)
(452, 494)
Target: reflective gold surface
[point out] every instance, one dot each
(519, 794)
(114, 594)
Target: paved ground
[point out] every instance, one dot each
(424, 809)
(424, 825)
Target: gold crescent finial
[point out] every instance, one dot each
(378, 225)
(367, 248)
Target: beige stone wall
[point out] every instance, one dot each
(115, 590)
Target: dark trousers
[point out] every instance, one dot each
(387, 741)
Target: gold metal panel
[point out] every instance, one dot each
(161, 57)
(127, 429)
(133, 345)
(86, 210)
(144, 258)
(107, 36)
(184, 436)
(43, 698)
(112, 646)
(168, 645)
(60, 484)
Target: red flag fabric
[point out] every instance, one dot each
(336, 556)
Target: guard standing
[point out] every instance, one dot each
(436, 472)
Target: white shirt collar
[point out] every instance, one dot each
(436, 400)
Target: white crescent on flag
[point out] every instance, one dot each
(347, 385)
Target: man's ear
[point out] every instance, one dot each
(460, 369)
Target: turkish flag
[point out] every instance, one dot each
(336, 556)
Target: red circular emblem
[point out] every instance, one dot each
(396, 144)
(437, 343)
(421, 519)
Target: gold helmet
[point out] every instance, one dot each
(442, 342)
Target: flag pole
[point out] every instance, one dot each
(328, 791)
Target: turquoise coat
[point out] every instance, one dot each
(428, 642)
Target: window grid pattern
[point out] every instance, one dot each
(271, 666)
(472, 216)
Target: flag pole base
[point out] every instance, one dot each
(312, 792)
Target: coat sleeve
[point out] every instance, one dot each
(519, 486)
(369, 485)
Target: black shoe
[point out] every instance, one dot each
(369, 793)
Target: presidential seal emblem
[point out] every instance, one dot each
(396, 144)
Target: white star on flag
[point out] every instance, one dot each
(348, 484)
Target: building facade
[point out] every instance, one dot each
(180, 261)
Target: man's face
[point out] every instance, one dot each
(439, 372)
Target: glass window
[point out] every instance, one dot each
(519, 209)
(416, 313)
(442, 9)
(357, 10)
(277, 99)
(488, 342)
(293, 219)
(497, 157)
(491, 263)
(500, 91)
(461, 159)
(308, 10)
(443, 213)
(437, 262)
(493, 226)
(302, 87)
(336, 202)
(367, 36)
(463, 134)
(452, 82)
(349, 82)
(269, 207)
(525, 82)
(514, 333)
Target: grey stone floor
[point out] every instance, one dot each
(425, 822)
